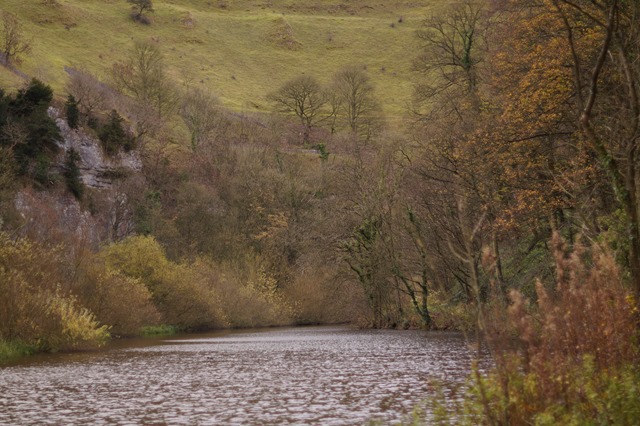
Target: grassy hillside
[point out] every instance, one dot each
(239, 50)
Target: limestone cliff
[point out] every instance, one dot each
(97, 170)
(104, 214)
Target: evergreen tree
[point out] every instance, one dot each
(38, 133)
(28, 99)
(72, 173)
(112, 134)
(73, 113)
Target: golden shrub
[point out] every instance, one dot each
(34, 308)
(73, 326)
(120, 301)
(181, 293)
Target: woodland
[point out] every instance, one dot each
(499, 197)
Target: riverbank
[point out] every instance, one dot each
(17, 351)
(456, 319)
(11, 350)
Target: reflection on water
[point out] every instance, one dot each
(316, 375)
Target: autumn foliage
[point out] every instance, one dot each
(570, 356)
(37, 306)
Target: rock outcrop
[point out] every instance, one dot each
(96, 169)
(55, 215)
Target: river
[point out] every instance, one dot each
(305, 375)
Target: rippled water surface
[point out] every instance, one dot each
(315, 375)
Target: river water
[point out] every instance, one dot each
(307, 375)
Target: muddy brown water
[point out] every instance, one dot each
(307, 375)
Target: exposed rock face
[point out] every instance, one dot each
(96, 169)
(55, 215)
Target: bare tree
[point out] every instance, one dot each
(12, 40)
(357, 101)
(92, 94)
(139, 8)
(143, 76)
(302, 96)
(453, 47)
(201, 113)
(334, 102)
(14, 133)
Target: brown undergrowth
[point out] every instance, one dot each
(570, 357)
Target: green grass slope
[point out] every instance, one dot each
(239, 50)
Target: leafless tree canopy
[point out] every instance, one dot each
(143, 76)
(357, 101)
(12, 39)
(202, 113)
(92, 94)
(302, 96)
(140, 7)
(453, 47)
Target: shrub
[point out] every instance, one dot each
(187, 298)
(142, 19)
(591, 396)
(122, 302)
(35, 308)
(322, 151)
(202, 294)
(159, 330)
(249, 296)
(71, 326)
(7, 169)
(572, 358)
(139, 257)
(588, 313)
(41, 171)
(25, 274)
(182, 293)
(449, 315)
(93, 122)
(14, 349)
